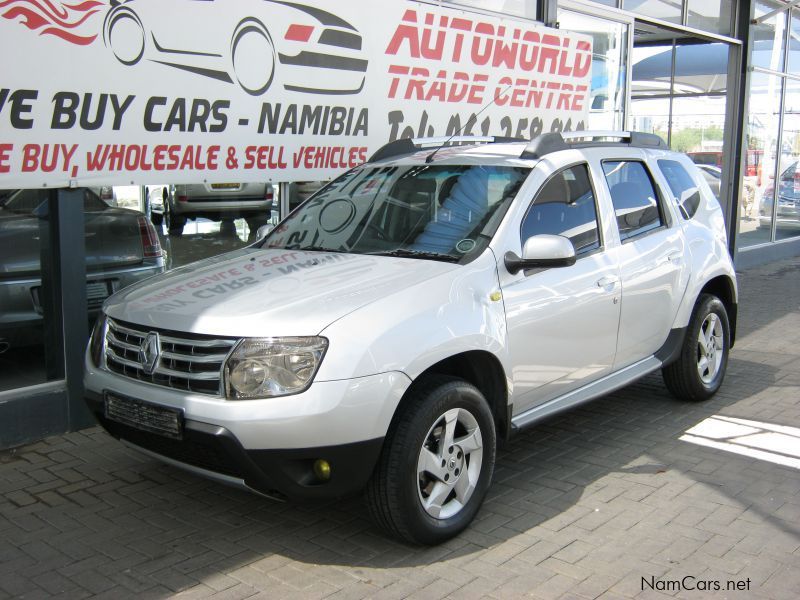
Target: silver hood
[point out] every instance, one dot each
(263, 293)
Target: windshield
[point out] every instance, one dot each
(441, 212)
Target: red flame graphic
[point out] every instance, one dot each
(58, 19)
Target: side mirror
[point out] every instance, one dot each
(264, 231)
(542, 251)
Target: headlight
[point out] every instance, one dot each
(269, 367)
(98, 340)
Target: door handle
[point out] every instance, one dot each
(607, 281)
(674, 257)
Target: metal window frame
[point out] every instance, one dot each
(772, 13)
(781, 119)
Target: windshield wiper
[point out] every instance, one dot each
(318, 249)
(309, 249)
(404, 253)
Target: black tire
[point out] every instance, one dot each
(395, 492)
(253, 224)
(174, 224)
(683, 377)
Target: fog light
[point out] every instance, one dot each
(322, 469)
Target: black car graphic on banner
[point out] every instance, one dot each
(315, 51)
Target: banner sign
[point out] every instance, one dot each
(188, 91)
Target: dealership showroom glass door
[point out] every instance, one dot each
(679, 91)
(611, 38)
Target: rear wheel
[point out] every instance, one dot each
(701, 365)
(174, 224)
(436, 464)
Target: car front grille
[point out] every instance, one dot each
(187, 362)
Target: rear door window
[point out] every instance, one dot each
(636, 203)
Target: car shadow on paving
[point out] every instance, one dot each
(584, 504)
(89, 503)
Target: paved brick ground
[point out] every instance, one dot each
(582, 507)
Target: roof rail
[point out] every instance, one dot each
(553, 142)
(411, 145)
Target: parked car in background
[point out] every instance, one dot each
(788, 213)
(714, 158)
(218, 202)
(418, 310)
(713, 176)
(299, 192)
(122, 247)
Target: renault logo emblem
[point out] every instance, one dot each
(149, 352)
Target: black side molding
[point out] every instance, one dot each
(669, 352)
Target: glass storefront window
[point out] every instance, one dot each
(701, 68)
(666, 10)
(710, 15)
(794, 45)
(679, 92)
(787, 213)
(609, 62)
(28, 298)
(763, 123)
(198, 221)
(768, 38)
(650, 116)
(650, 89)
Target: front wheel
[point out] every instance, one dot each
(436, 464)
(698, 372)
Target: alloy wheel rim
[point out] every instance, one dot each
(710, 348)
(449, 463)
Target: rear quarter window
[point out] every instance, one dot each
(683, 187)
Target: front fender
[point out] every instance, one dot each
(419, 326)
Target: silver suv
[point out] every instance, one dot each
(419, 310)
(217, 201)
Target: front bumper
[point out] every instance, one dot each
(214, 452)
(229, 207)
(270, 445)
